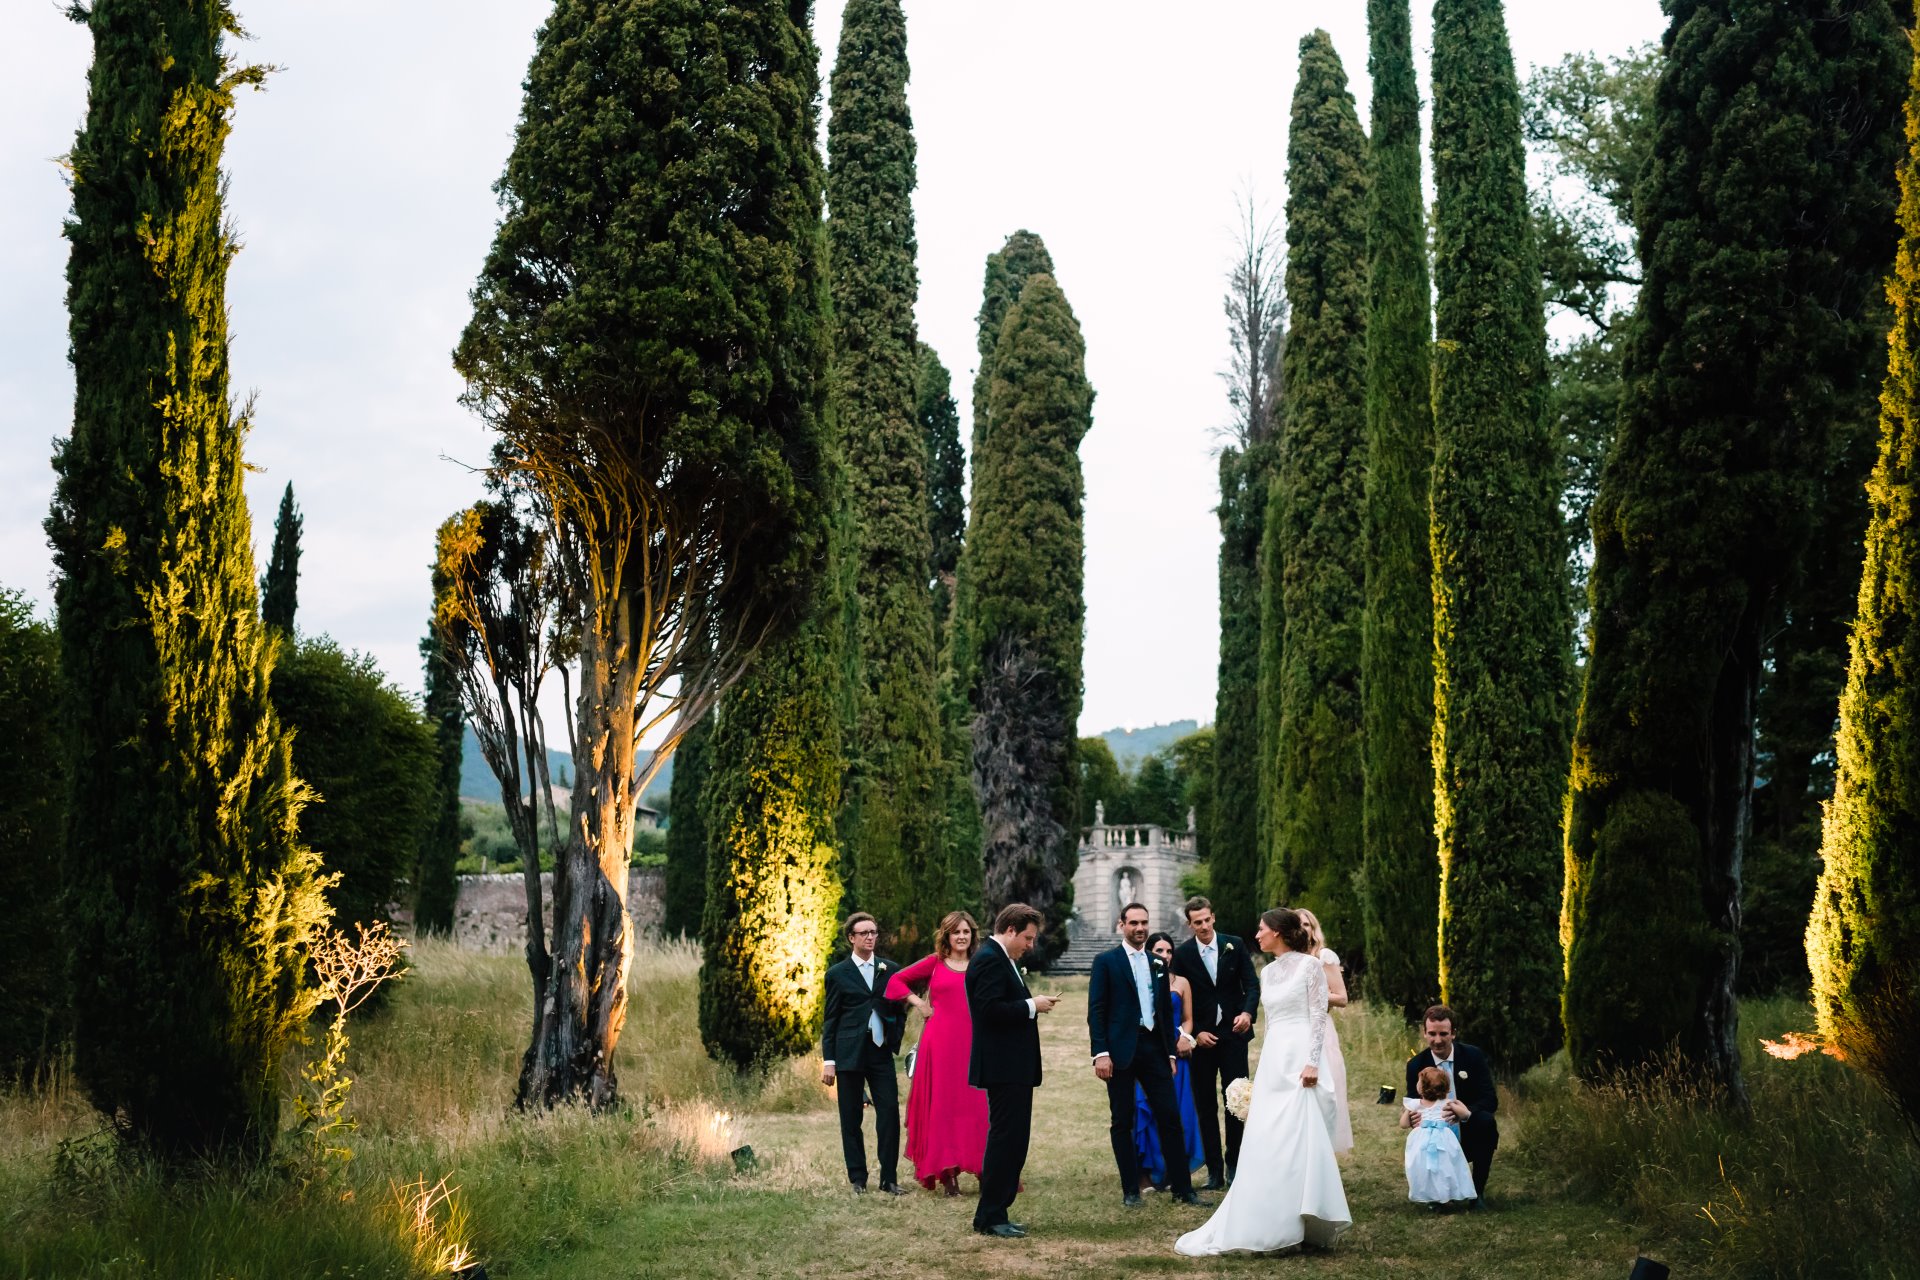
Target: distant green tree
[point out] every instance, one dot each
(946, 480)
(1103, 788)
(1400, 868)
(1193, 773)
(436, 882)
(1751, 361)
(374, 763)
(191, 899)
(1863, 942)
(899, 862)
(1503, 632)
(650, 337)
(35, 1017)
(1155, 796)
(1318, 504)
(280, 584)
(687, 841)
(1023, 606)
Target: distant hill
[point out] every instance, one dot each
(478, 783)
(1131, 746)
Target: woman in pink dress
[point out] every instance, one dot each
(946, 1117)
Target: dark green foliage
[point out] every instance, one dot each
(1400, 867)
(34, 1019)
(1023, 611)
(687, 843)
(1863, 943)
(1193, 767)
(1022, 257)
(436, 883)
(894, 756)
(191, 897)
(1765, 228)
(1103, 788)
(375, 765)
(1317, 506)
(1234, 858)
(1502, 630)
(1155, 795)
(946, 477)
(280, 584)
(772, 791)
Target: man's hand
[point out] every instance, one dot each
(1206, 1039)
(1458, 1109)
(1184, 1045)
(1041, 1004)
(826, 1075)
(1241, 1022)
(1103, 1067)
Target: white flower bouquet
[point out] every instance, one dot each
(1239, 1097)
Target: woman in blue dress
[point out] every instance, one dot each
(1146, 1137)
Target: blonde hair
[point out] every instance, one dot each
(1316, 937)
(1433, 1084)
(943, 935)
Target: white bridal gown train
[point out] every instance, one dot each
(1287, 1188)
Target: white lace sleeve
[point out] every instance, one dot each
(1316, 1012)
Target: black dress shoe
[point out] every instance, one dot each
(1215, 1184)
(859, 1188)
(894, 1189)
(1132, 1200)
(1189, 1197)
(1005, 1230)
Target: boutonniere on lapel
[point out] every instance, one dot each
(1462, 1075)
(881, 967)
(1228, 947)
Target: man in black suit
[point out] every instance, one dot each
(1226, 998)
(1005, 1059)
(1472, 1091)
(1135, 1041)
(861, 1036)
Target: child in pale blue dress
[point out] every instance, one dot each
(1437, 1170)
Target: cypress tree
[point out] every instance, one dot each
(1317, 503)
(1401, 870)
(191, 897)
(1023, 574)
(1502, 630)
(280, 584)
(687, 843)
(1022, 257)
(1863, 942)
(946, 479)
(899, 871)
(436, 885)
(1765, 229)
(34, 1007)
(1234, 864)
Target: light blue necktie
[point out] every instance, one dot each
(1143, 986)
(873, 1019)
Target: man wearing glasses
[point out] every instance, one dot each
(862, 1035)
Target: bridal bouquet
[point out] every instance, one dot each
(1239, 1095)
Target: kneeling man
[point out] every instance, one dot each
(1471, 1084)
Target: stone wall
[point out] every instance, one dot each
(491, 911)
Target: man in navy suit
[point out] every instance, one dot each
(1006, 1059)
(857, 1044)
(1135, 1041)
(1472, 1091)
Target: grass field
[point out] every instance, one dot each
(1814, 1181)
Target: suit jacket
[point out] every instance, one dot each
(1113, 1008)
(1006, 1038)
(849, 1003)
(1217, 1003)
(1473, 1085)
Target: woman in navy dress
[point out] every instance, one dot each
(1146, 1138)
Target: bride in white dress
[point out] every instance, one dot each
(1287, 1188)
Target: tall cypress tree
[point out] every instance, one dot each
(687, 842)
(1502, 629)
(946, 480)
(1863, 943)
(899, 870)
(1765, 229)
(436, 885)
(1401, 870)
(35, 1011)
(280, 584)
(1318, 502)
(191, 898)
(1234, 864)
(1022, 257)
(1023, 574)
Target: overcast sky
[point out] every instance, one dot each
(1120, 131)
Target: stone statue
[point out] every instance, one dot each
(1099, 813)
(1192, 825)
(1128, 889)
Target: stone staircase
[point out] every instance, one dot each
(1078, 957)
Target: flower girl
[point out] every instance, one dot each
(1437, 1170)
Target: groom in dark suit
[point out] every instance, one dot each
(1005, 1060)
(1135, 1040)
(862, 1034)
(1226, 999)
(1472, 1088)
